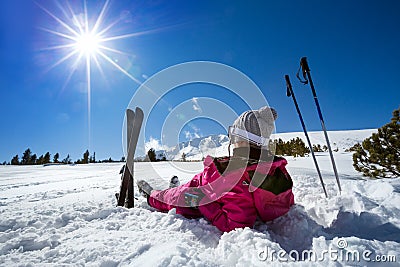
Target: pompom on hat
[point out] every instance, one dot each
(255, 122)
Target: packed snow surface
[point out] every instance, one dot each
(66, 215)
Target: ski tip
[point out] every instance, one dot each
(138, 110)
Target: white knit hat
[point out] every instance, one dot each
(257, 122)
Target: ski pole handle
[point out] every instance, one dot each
(304, 64)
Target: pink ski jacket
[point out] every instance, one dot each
(230, 200)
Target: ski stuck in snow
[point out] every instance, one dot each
(133, 124)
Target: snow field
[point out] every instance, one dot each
(66, 215)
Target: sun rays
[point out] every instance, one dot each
(83, 40)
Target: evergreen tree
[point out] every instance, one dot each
(109, 160)
(353, 148)
(284, 147)
(379, 155)
(298, 147)
(26, 157)
(46, 158)
(151, 154)
(92, 159)
(85, 159)
(56, 157)
(67, 160)
(33, 159)
(40, 160)
(294, 147)
(279, 147)
(317, 148)
(161, 157)
(15, 160)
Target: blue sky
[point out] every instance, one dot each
(352, 48)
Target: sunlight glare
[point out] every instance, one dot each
(83, 41)
(87, 43)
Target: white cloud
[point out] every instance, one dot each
(155, 144)
(189, 135)
(194, 132)
(196, 105)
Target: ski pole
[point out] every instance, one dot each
(307, 76)
(289, 93)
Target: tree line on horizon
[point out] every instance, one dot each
(294, 147)
(151, 156)
(29, 158)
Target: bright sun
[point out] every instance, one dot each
(85, 42)
(88, 44)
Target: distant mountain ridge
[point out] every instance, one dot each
(197, 148)
(217, 145)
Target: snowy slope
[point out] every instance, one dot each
(338, 139)
(66, 215)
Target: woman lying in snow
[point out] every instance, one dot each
(232, 191)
